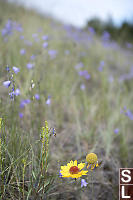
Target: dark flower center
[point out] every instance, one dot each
(74, 170)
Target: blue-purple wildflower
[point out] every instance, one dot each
(21, 115)
(16, 69)
(14, 93)
(8, 28)
(82, 86)
(18, 27)
(127, 112)
(52, 53)
(54, 132)
(21, 37)
(60, 174)
(22, 51)
(129, 45)
(105, 36)
(45, 45)
(30, 65)
(33, 57)
(7, 69)
(100, 68)
(45, 37)
(91, 30)
(116, 131)
(37, 96)
(85, 74)
(48, 101)
(17, 92)
(83, 183)
(24, 102)
(6, 83)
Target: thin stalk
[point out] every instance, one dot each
(92, 185)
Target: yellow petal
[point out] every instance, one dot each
(75, 163)
(88, 166)
(66, 168)
(70, 164)
(84, 172)
(66, 175)
(76, 175)
(97, 165)
(81, 165)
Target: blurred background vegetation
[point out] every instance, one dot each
(80, 81)
(122, 33)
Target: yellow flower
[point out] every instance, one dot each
(73, 170)
(92, 160)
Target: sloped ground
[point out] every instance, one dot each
(85, 88)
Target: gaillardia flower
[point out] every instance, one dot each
(73, 170)
(92, 160)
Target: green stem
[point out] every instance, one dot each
(92, 185)
(23, 180)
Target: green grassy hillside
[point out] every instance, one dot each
(82, 86)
